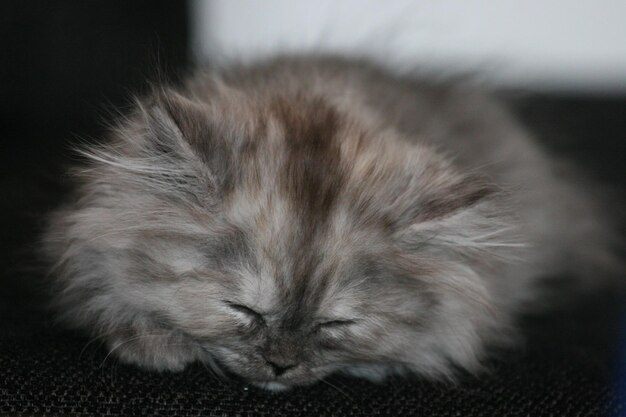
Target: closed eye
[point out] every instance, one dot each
(255, 315)
(331, 324)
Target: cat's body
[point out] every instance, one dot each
(304, 216)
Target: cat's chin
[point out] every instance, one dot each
(272, 386)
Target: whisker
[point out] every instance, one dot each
(132, 339)
(337, 389)
(101, 336)
(212, 366)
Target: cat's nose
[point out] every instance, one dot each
(280, 366)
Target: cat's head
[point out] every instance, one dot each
(279, 236)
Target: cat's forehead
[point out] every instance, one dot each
(291, 173)
(293, 202)
(296, 164)
(298, 255)
(298, 268)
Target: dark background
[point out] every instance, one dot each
(67, 67)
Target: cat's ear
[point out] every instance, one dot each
(432, 191)
(467, 214)
(175, 123)
(182, 131)
(451, 197)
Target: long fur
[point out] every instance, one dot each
(303, 216)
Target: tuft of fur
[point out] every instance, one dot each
(304, 216)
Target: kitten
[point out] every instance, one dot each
(304, 216)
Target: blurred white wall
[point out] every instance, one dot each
(547, 45)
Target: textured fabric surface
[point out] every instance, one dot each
(45, 370)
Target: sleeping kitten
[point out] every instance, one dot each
(304, 216)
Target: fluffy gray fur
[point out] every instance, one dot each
(303, 216)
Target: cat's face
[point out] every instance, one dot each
(286, 304)
(281, 238)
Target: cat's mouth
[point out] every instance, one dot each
(227, 372)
